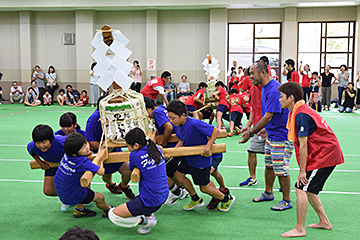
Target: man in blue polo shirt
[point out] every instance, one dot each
(278, 149)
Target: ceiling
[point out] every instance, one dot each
(48, 5)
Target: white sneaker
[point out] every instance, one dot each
(172, 199)
(145, 229)
(184, 193)
(64, 207)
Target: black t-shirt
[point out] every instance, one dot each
(326, 80)
(349, 102)
(305, 125)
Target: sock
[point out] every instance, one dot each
(144, 220)
(268, 193)
(288, 201)
(175, 190)
(80, 209)
(195, 198)
(226, 198)
(225, 191)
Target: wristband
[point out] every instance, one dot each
(251, 134)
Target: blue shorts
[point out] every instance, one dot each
(172, 164)
(200, 176)
(111, 168)
(50, 172)
(235, 117)
(190, 108)
(216, 160)
(89, 197)
(222, 108)
(137, 207)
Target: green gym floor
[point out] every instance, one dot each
(26, 213)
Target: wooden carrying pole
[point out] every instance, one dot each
(88, 175)
(173, 152)
(173, 138)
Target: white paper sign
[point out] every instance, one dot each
(151, 65)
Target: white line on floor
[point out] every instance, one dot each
(242, 167)
(135, 184)
(7, 145)
(295, 169)
(345, 155)
(10, 114)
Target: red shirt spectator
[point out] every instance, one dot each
(85, 100)
(272, 72)
(306, 78)
(255, 102)
(294, 77)
(149, 91)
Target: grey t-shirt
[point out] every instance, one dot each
(184, 86)
(342, 81)
(40, 83)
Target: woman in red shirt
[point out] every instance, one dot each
(306, 78)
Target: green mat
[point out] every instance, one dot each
(26, 213)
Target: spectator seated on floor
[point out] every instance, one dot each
(16, 93)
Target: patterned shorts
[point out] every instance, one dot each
(277, 156)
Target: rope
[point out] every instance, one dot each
(109, 30)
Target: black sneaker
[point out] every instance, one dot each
(127, 190)
(83, 213)
(213, 204)
(113, 189)
(226, 191)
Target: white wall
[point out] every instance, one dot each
(178, 39)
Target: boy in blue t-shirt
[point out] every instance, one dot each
(278, 149)
(68, 124)
(153, 187)
(93, 134)
(67, 180)
(51, 149)
(193, 132)
(165, 129)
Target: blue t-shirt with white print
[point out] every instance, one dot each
(67, 178)
(153, 186)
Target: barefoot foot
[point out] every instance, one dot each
(321, 225)
(294, 233)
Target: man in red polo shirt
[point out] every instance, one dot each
(257, 143)
(292, 75)
(156, 86)
(317, 153)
